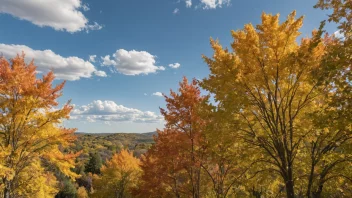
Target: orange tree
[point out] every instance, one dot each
(173, 166)
(30, 131)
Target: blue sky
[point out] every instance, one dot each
(142, 38)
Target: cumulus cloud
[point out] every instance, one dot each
(175, 65)
(213, 4)
(109, 111)
(92, 58)
(58, 14)
(176, 10)
(67, 68)
(132, 62)
(188, 3)
(158, 94)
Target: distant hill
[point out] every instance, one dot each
(108, 143)
(104, 134)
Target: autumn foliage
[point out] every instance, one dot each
(30, 132)
(281, 125)
(172, 167)
(275, 91)
(275, 122)
(118, 176)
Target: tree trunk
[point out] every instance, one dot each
(317, 194)
(198, 182)
(6, 193)
(7, 189)
(310, 182)
(290, 192)
(221, 189)
(255, 193)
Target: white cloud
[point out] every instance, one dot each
(109, 111)
(145, 94)
(176, 11)
(206, 4)
(212, 4)
(158, 94)
(107, 61)
(94, 26)
(100, 73)
(58, 14)
(67, 68)
(92, 58)
(175, 65)
(90, 119)
(132, 62)
(339, 35)
(85, 7)
(188, 3)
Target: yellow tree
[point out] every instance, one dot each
(82, 192)
(337, 62)
(118, 176)
(270, 84)
(34, 181)
(342, 14)
(224, 154)
(334, 121)
(30, 132)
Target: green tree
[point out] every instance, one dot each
(94, 163)
(68, 189)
